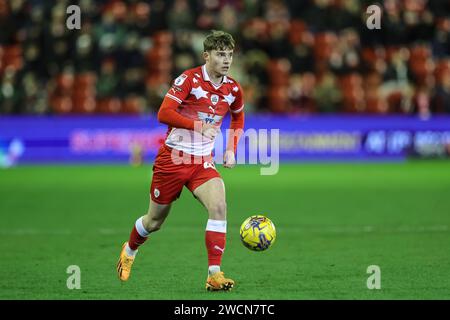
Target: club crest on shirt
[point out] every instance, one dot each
(214, 99)
(180, 80)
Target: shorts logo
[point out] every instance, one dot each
(207, 165)
(156, 193)
(180, 80)
(214, 99)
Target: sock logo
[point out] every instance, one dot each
(219, 248)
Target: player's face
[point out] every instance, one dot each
(219, 61)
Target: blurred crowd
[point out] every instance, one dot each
(310, 56)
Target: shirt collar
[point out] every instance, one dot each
(207, 78)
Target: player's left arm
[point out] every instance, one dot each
(236, 129)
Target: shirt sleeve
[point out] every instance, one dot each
(238, 103)
(236, 130)
(181, 87)
(167, 114)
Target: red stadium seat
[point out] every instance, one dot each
(64, 83)
(371, 55)
(375, 103)
(420, 52)
(2, 65)
(140, 10)
(279, 71)
(442, 67)
(390, 52)
(351, 80)
(109, 105)
(118, 9)
(324, 43)
(163, 38)
(13, 57)
(394, 101)
(354, 103)
(155, 80)
(278, 99)
(158, 55)
(82, 105)
(297, 27)
(61, 104)
(85, 80)
(133, 105)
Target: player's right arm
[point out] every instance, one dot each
(169, 115)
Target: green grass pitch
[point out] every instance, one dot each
(333, 221)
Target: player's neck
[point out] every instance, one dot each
(214, 77)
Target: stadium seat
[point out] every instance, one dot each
(140, 10)
(390, 50)
(133, 105)
(354, 102)
(118, 9)
(155, 80)
(85, 80)
(13, 57)
(64, 83)
(109, 105)
(82, 105)
(296, 29)
(394, 101)
(163, 39)
(61, 104)
(1, 60)
(279, 70)
(278, 99)
(442, 67)
(324, 43)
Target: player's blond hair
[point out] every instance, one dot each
(218, 40)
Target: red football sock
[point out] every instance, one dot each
(138, 235)
(215, 244)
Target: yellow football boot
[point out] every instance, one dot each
(124, 264)
(217, 282)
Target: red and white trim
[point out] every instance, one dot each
(238, 110)
(174, 98)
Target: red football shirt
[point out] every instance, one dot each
(201, 99)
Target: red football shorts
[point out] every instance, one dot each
(170, 176)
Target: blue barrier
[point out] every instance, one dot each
(112, 139)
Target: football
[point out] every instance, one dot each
(258, 233)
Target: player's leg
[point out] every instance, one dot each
(212, 195)
(151, 222)
(167, 182)
(144, 225)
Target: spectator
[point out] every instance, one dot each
(327, 94)
(442, 95)
(300, 93)
(397, 79)
(135, 48)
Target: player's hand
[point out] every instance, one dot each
(209, 130)
(229, 160)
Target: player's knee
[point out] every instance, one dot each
(218, 210)
(154, 228)
(153, 225)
